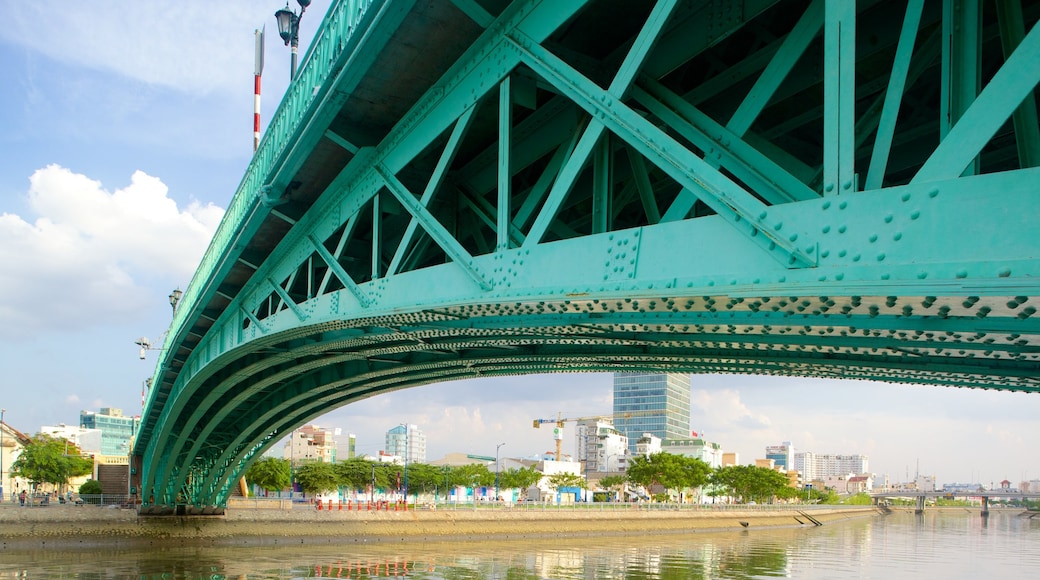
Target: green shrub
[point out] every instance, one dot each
(90, 487)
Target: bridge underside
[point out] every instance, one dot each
(482, 188)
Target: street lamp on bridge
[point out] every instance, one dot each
(175, 297)
(289, 30)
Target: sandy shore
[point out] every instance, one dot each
(88, 525)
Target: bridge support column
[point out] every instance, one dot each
(985, 506)
(920, 505)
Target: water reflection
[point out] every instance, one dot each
(899, 546)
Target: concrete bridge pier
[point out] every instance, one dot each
(985, 506)
(920, 505)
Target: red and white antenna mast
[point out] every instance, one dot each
(258, 70)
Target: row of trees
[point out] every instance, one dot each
(673, 473)
(54, 461)
(273, 474)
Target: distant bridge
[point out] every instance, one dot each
(472, 188)
(986, 495)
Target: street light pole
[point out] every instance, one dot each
(497, 447)
(2, 411)
(405, 487)
(289, 30)
(175, 297)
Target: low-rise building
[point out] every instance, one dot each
(12, 441)
(311, 443)
(706, 451)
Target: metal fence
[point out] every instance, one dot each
(391, 505)
(99, 500)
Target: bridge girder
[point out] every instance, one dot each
(769, 187)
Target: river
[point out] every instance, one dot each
(937, 544)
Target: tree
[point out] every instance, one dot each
(356, 473)
(270, 473)
(750, 483)
(472, 475)
(423, 478)
(667, 470)
(51, 460)
(614, 484)
(317, 477)
(561, 480)
(90, 487)
(521, 479)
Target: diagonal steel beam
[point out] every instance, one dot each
(894, 96)
(729, 200)
(626, 73)
(433, 228)
(779, 66)
(341, 274)
(994, 105)
(758, 171)
(439, 172)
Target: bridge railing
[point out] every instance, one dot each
(322, 60)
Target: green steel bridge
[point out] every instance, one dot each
(474, 188)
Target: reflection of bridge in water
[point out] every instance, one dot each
(456, 189)
(986, 495)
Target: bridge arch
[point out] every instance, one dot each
(450, 191)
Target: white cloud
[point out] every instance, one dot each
(89, 252)
(724, 410)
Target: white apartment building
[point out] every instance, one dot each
(819, 466)
(600, 446)
(311, 443)
(407, 442)
(706, 451)
(648, 444)
(87, 440)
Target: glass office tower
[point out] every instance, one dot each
(655, 403)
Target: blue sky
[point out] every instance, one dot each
(124, 138)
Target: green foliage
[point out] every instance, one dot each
(614, 484)
(270, 473)
(670, 471)
(473, 475)
(561, 480)
(424, 478)
(521, 479)
(317, 477)
(90, 487)
(858, 499)
(51, 460)
(750, 483)
(830, 498)
(359, 474)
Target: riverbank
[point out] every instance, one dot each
(90, 526)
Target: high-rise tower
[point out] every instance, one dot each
(655, 403)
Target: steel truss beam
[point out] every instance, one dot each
(596, 186)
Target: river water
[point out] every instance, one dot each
(937, 544)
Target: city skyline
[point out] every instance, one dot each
(123, 143)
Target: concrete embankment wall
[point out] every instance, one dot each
(90, 525)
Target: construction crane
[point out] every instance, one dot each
(560, 420)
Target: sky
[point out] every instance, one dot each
(123, 140)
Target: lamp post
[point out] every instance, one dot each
(289, 30)
(497, 447)
(175, 297)
(405, 486)
(2, 411)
